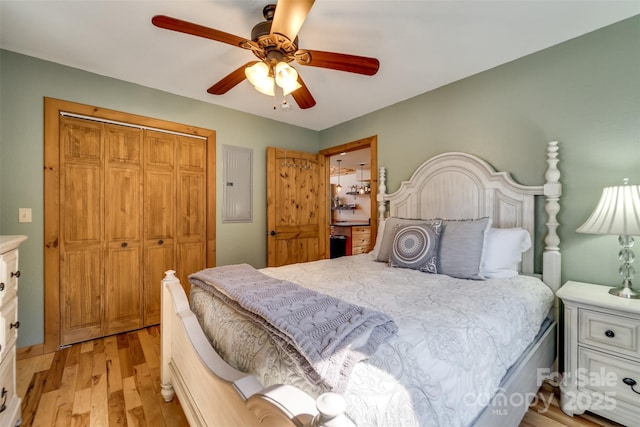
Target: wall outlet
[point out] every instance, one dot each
(24, 214)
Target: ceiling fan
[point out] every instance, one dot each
(275, 43)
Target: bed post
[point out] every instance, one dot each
(551, 258)
(166, 305)
(382, 189)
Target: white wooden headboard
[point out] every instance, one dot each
(463, 186)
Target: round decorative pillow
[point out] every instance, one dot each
(416, 247)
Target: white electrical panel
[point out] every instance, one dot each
(237, 171)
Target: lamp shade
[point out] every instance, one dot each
(258, 76)
(287, 78)
(617, 213)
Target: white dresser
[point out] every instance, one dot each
(601, 353)
(10, 414)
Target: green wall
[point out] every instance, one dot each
(24, 81)
(584, 93)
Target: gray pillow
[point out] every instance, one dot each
(462, 247)
(416, 247)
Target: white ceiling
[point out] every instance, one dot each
(421, 45)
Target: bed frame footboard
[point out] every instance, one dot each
(213, 393)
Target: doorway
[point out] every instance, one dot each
(353, 210)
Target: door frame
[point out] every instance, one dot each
(370, 142)
(52, 110)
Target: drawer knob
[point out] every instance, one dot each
(16, 274)
(124, 244)
(631, 383)
(1, 286)
(609, 333)
(14, 325)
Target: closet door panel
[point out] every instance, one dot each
(81, 230)
(123, 216)
(191, 208)
(159, 205)
(157, 259)
(159, 218)
(123, 291)
(81, 294)
(82, 204)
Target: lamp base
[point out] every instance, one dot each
(625, 292)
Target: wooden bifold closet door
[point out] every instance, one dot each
(132, 203)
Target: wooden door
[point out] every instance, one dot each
(81, 229)
(159, 217)
(191, 207)
(296, 207)
(92, 208)
(123, 229)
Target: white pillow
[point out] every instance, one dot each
(376, 247)
(503, 251)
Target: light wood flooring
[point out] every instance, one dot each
(115, 381)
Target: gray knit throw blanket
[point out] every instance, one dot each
(325, 335)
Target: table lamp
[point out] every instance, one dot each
(618, 213)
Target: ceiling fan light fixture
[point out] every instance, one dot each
(287, 78)
(257, 73)
(266, 87)
(258, 76)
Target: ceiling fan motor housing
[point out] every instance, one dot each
(272, 48)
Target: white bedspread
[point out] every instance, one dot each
(455, 342)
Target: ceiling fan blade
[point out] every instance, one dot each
(174, 24)
(289, 17)
(230, 81)
(302, 96)
(338, 61)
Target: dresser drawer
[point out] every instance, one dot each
(606, 375)
(357, 250)
(361, 230)
(11, 412)
(612, 333)
(360, 239)
(8, 326)
(8, 275)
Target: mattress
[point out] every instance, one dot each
(456, 340)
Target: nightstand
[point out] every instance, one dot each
(601, 353)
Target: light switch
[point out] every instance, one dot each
(24, 214)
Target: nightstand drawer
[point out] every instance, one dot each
(609, 332)
(607, 374)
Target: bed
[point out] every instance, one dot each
(443, 388)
